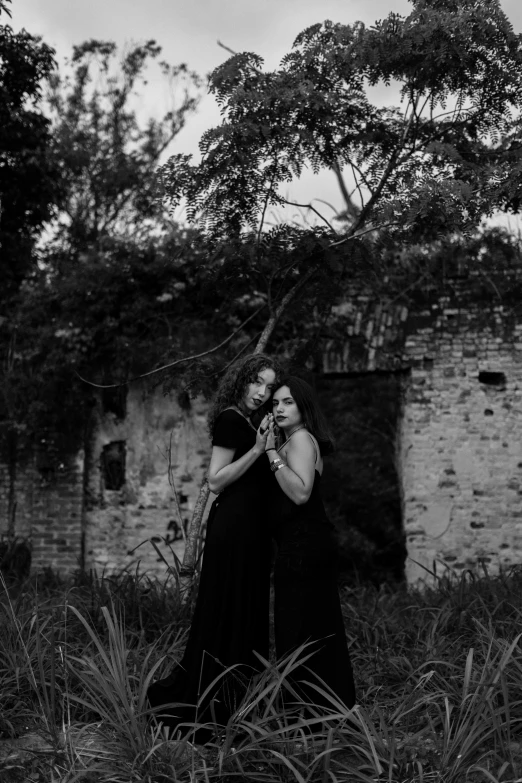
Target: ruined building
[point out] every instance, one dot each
(456, 353)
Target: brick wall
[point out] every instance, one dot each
(48, 512)
(458, 444)
(72, 518)
(461, 440)
(119, 523)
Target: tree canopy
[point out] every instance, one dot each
(106, 285)
(29, 178)
(444, 158)
(107, 148)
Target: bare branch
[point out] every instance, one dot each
(225, 368)
(178, 361)
(351, 209)
(357, 183)
(285, 301)
(173, 487)
(362, 233)
(322, 201)
(309, 206)
(231, 51)
(265, 207)
(358, 169)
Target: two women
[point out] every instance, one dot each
(230, 622)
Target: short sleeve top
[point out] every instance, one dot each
(232, 431)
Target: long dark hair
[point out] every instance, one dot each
(235, 382)
(308, 404)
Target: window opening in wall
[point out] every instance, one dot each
(497, 379)
(113, 465)
(115, 401)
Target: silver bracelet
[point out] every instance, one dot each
(277, 464)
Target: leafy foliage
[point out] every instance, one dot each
(106, 150)
(439, 162)
(109, 286)
(29, 179)
(438, 676)
(118, 312)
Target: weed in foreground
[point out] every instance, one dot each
(439, 677)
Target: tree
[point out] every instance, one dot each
(110, 229)
(107, 151)
(29, 180)
(102, 153)
(437, 164)
(29, 192)
(446, 157)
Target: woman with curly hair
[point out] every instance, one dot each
(230, 621)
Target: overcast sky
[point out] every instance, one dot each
(188, 31)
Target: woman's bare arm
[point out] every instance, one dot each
(223, 470)
(297, 478)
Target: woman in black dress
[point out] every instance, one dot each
(307, 606)
(231, 616)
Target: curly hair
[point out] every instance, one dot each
(235, 382)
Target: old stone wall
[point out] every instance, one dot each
(119, 522)
(48, 511)
(101, 510)
(461, 440)
(458, 352)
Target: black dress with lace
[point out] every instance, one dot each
(307, 606)
(231, 616)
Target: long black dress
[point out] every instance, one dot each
(307, 606)
(231, 616)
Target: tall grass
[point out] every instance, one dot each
(438, 673)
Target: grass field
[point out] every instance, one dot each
(438, 673)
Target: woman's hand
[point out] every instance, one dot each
(262, 434)
(271, 441)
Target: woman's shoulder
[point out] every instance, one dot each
(231, 429)
(231, 415)
(304, 440)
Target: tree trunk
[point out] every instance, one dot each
(190, 553)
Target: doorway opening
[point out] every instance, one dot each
(361, 484)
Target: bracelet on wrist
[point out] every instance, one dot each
(271, 449)
(277, 464)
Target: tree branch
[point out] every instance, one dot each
(265, 207)
(178, 361)
(231, 51)
(225, 368)
(309, 206)
(362, 233)
(351, 209)
(285, 301)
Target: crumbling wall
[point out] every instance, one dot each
(47, 510)
(461, 439)
(458, 351)
(119, 519)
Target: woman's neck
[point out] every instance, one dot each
(288, 433)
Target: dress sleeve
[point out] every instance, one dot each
(229, 430)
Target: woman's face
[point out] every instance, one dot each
(286, 413)
(259, 391)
